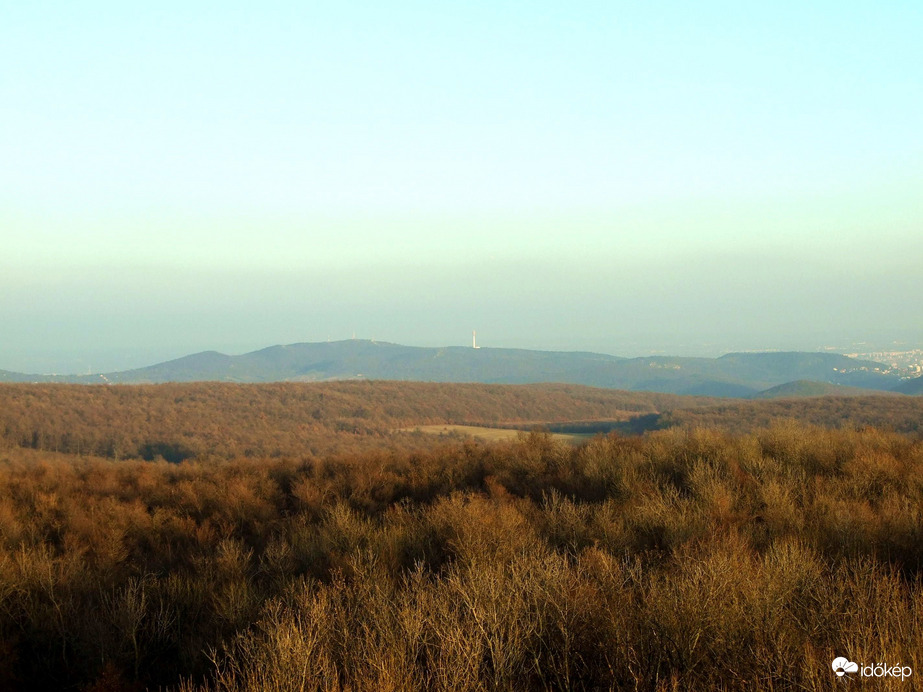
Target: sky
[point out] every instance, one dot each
(628, 178)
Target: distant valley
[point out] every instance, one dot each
(737, 375)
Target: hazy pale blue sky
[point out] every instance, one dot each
(619, 177)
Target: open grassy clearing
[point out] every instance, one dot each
(492, 434)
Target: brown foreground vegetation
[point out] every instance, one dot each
(686, 559)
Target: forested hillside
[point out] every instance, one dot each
(203, 420)
(901, 414)
(179, 421)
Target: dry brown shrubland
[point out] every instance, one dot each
(686, 559)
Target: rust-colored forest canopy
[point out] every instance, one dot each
(300, 544)
(903, 414)
(202, 420)
(179, 421)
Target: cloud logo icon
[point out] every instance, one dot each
(841, 666)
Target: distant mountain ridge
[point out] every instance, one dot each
(741, 375)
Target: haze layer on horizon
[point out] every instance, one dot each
(616, 177)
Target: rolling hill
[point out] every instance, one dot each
(739, 375)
